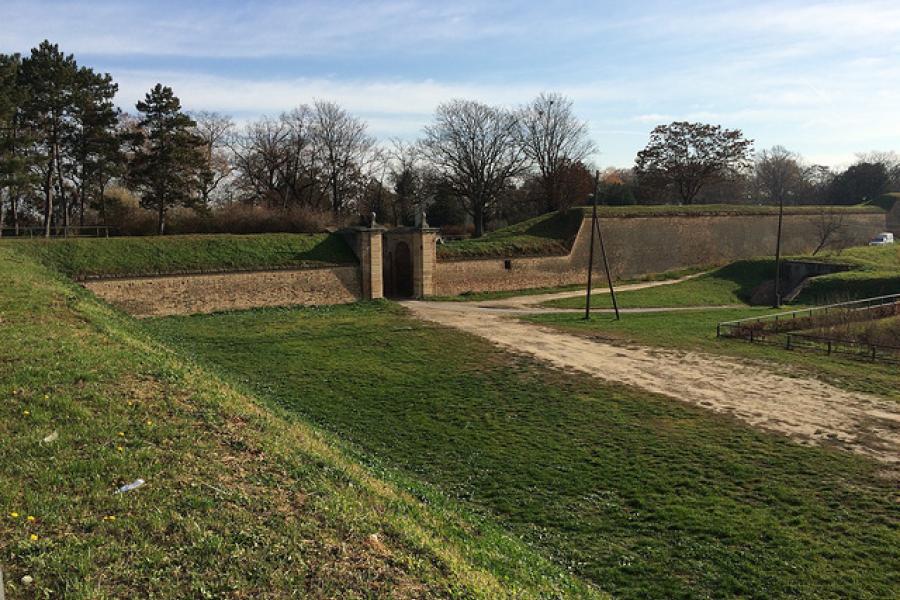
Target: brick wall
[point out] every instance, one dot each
(644, 245)
(188, 294)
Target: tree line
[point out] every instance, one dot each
(68, 155)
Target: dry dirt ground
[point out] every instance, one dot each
(807, 410)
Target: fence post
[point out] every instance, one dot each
(829, 346)
(788, 341)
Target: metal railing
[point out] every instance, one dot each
(790, 320)
(782, 328)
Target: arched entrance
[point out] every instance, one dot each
(401, 284)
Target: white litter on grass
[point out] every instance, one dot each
(131, 486)
(51, 438)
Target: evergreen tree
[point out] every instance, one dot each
(15, 141)
(49, 76)
(95, 143)
(168, 160)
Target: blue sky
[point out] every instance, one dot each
(821, 78)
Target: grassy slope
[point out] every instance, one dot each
(152, 255)
(731, 284)
(240, 501)
(547, 234)
(696, 330)
(554, 233)
(877, 272)
(645, 496)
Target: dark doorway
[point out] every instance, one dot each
(401, 272)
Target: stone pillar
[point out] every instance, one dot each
(369, 252)
(424, 261)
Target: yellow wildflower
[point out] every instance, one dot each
(119, 448)
(14, 515)
(26, 412)
(121, 434)
(30, 518)
(33, 537)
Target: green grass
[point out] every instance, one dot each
(883, 258)
(644, 496)
(676, 210)
(731, 284)
(552, 233)
(876, 273)
(696, 331)
(179, 253)
(241, 500)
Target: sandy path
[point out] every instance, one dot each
(807, 410)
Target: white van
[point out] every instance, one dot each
(882, 239)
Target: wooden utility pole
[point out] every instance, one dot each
(777, 301)
(595, 230)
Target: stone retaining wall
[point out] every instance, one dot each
(893, 219)
(189, 294)
(643, 245)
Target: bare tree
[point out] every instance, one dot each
(554, 139)
(778, 175)
(301, 169)
(260, 160)
(689, 156)
(475, 148)
(406, 179)
(343, 149)
(829, 229)
(214, 129)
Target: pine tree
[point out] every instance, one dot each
(168, 158)
(49, 76)
(15, 141)
(95, 143)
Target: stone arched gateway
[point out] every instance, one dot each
(398, 270)
(408, 259)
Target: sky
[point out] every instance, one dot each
(820, 78)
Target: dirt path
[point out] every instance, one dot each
(532, 301)
(807, 410)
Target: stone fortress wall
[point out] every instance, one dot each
(654, 244)
(635, 246)
(205, 293)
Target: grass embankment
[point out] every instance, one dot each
(87, 257)
(544, 235)
(877, 273)
(696, 331)
(240, 500)
(711, 210)
(731, 284)
(645, 496)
